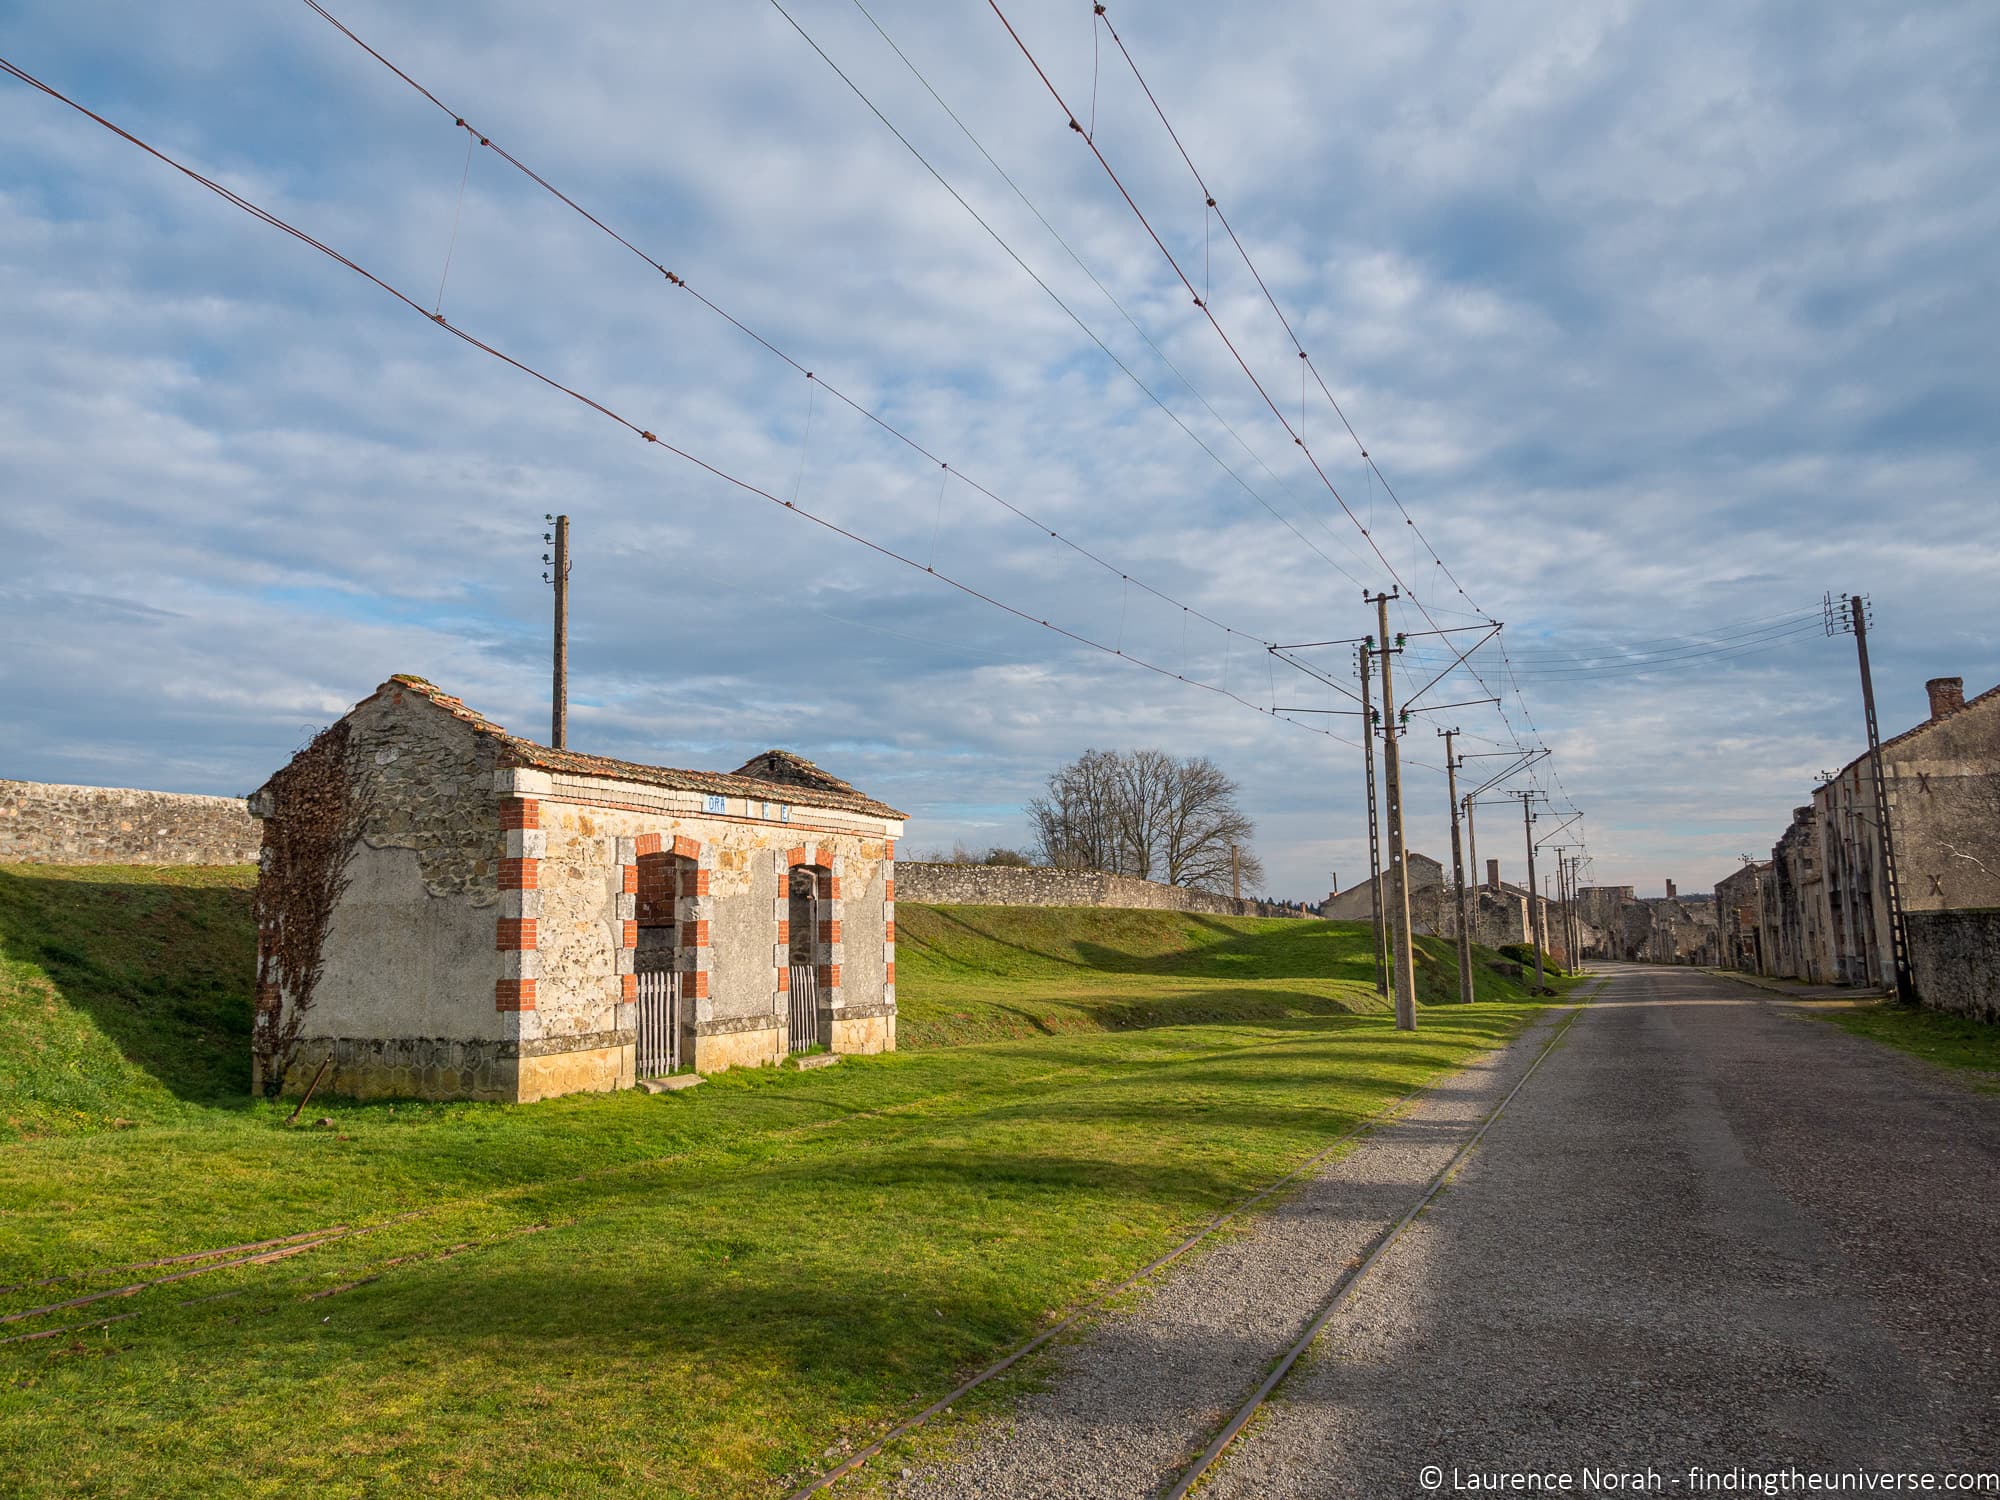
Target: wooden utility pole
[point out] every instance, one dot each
(1399, 870)
(1236, 872)
(559, 698)
(1899, 935)
(1375, 897)
(1458, 871)
(1534, 895)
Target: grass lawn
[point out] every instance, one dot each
(1951, 1041)
(694, 1294)
(978, 973)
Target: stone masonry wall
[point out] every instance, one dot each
(45, 823)
(733, 978)
(1012, 885)
(1956, 959)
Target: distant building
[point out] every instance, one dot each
(1500, 911)
(1825, 910)
(1738, 916)
(1669, 929)
(449, 911)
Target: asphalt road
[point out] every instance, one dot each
(1710, 1233)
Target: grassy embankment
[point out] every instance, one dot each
(694, 1294)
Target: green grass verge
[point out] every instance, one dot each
(124, 994)
(1950, 1041)
(977, 973)
(691, 1294)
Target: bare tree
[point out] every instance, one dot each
(1080, 823)
(1201, 828)
(1148, 814)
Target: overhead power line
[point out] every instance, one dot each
(1614, 660)
(1202, 303)
(237, 200)
(1084, 266)
(1051, 292)
(1223, 219)
(1667, 642)
(818, 381)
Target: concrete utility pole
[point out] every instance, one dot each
(1899, 934)
(559, 700)
(1472, 846)
(1576, 902)
(1399, 868)
(1375, 897)
(1534, 901)
(1458, 872)
(1572, 919)
(1566, 895)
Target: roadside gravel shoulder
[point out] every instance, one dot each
(1120, 1408)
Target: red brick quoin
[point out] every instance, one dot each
(653, 892)
(517, 929)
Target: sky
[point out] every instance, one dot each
(1661, 320)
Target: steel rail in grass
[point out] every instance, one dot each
(1000, 1366)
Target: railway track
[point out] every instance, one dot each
(1354, 1272)
(1344, 1287)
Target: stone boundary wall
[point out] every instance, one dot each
(1955, 956)
(1012, 885)
(44, 823)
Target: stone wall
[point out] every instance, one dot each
(1012, 885)
(43, 823)
(1956, 959)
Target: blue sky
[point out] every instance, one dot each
(1659, 318)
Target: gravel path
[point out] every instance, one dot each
(1710, 1232)
(1134, 1399)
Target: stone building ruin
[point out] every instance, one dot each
(450, 911)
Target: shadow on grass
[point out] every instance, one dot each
(1215, 948)
(162, 969)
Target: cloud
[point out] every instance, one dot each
(1659, 318)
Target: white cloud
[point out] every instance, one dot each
(1657, 317)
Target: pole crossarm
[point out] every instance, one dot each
(1455, 629)
(1314, 672)
(1526, 760)
(1558, 829)
(1431, 708)
(1456, 662)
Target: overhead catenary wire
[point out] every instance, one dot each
(813, 376)
(1095, 280)
(1222, 218)
(1667, 642)
(1615, 660)
(1208, 312)
(1641, 665)
(881, 549)
(1040, 281)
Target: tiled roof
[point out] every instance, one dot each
(812, 788)
(1916, 729)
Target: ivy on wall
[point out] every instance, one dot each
(310, 835)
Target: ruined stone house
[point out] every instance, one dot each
(1429, 891)
(1669, 929)
(450, 911)
(1943, 779)
(1500, 911)
(1790, 924)
(1738, 916)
